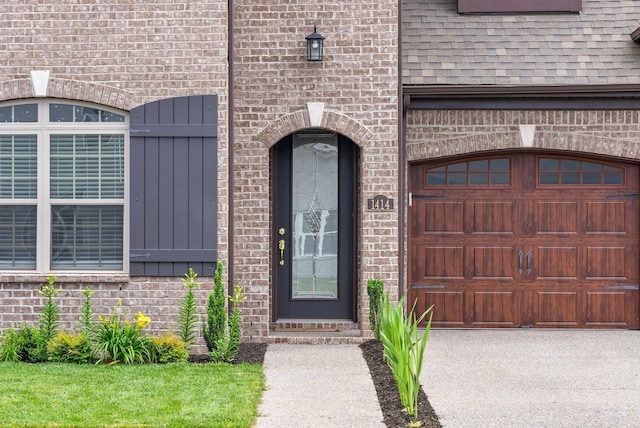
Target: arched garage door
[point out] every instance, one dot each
(525, 240)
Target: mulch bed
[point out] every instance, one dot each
(372, 350)
(392, 410)
(252, 353)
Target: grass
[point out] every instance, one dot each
(172, 395)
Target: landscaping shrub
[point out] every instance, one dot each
(68, 347)
(170, 348)
(24, 344)
(374, 290)
(404, 348)
(188, 314)
(216, 311)
(227, 345)
(122, 341)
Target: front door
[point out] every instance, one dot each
(314, 231)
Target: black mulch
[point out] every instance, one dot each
(392, 410)
(252, 353)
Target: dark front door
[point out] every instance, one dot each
(314, 231)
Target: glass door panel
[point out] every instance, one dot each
(314, 217)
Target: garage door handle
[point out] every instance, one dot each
(520, 256)
(529, 261)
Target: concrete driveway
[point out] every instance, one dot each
(534, 378)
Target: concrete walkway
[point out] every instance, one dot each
(318, 386)
(534, 378)
(473, 378)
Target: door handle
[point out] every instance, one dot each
(529, 261)
(281, 248)
(520, 256)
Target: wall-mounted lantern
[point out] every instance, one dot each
(314, 46)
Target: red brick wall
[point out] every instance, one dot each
(158, 297)
(437, 133)
(358, 83)
(120, 54)
(123, 54)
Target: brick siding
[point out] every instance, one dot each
(437, 133)
(157, 297)
(125, 54)
(273, 81)
(119, 54)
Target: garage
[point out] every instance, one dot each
(525, 240)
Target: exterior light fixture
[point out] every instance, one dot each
(314, 46)
(635, 36)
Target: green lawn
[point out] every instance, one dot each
(173, 395)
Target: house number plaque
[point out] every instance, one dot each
(380, 203)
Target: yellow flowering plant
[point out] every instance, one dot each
(119, 340)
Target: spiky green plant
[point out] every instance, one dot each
(216, 311)
(188, 313)
(50, 316)
(404, 348)
(86, 315)
(228, 344)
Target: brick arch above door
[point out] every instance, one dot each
(433, 134)
(92, 92)
(297, 121)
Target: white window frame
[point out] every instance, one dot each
(44, 129)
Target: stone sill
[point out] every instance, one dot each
(62, 277)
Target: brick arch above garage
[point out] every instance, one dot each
(70, 89)
(438, 133)
(300, 120)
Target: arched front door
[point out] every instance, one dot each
(314, 236)
(525, 239)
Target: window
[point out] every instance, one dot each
(506, 6)
(569, 172)
(485, 172)
(62, 187)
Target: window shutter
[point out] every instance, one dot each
(173, 187)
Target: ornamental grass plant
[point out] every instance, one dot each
(404, 348)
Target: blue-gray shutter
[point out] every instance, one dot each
(173, 187)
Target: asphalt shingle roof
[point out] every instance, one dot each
(442, 47)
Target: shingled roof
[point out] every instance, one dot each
(442, 47)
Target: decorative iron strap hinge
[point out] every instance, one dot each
(621, 287)
(423, 286)
(418, 196)
(623, 196)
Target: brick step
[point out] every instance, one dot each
(315, 331)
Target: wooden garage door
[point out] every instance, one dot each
(525, 240)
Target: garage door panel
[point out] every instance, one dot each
(494, 309)
(556, 217)
(557, 309)
(607, 263)
(493, 263)
(494, 217)
(555, 262)
(441, 217)
(607, 217)
(448, 306)
(607, 308)
(442, 262)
